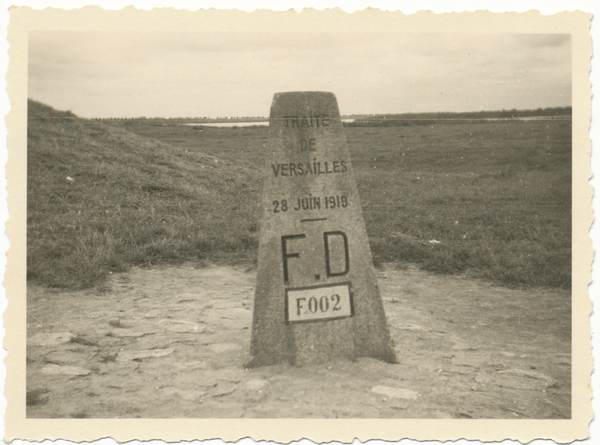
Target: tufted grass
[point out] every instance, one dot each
(489, 199)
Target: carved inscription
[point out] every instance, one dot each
(312, 120)
(310, 144)
(330, 301)
(311, 203)
(308, 168)
(335, 246)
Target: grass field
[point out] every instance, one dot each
(491, 199)
(497, 196)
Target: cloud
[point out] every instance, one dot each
(544, 40)
(211, 74)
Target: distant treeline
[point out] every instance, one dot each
(401, 119)
(406, 119)
(164, 121)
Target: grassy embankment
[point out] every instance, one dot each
(101, 199)
(495, 195)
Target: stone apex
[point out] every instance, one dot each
(304, 92)
(303, 103)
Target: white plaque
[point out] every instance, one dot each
(318, 303)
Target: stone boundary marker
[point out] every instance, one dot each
(316, 291)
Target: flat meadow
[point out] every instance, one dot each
(493, 198)
(488, 199)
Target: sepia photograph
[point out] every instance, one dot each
(240, 223)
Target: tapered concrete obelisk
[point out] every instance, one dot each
(316, 291)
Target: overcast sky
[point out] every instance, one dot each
(101, 74)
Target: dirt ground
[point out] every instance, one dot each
(173, 342)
